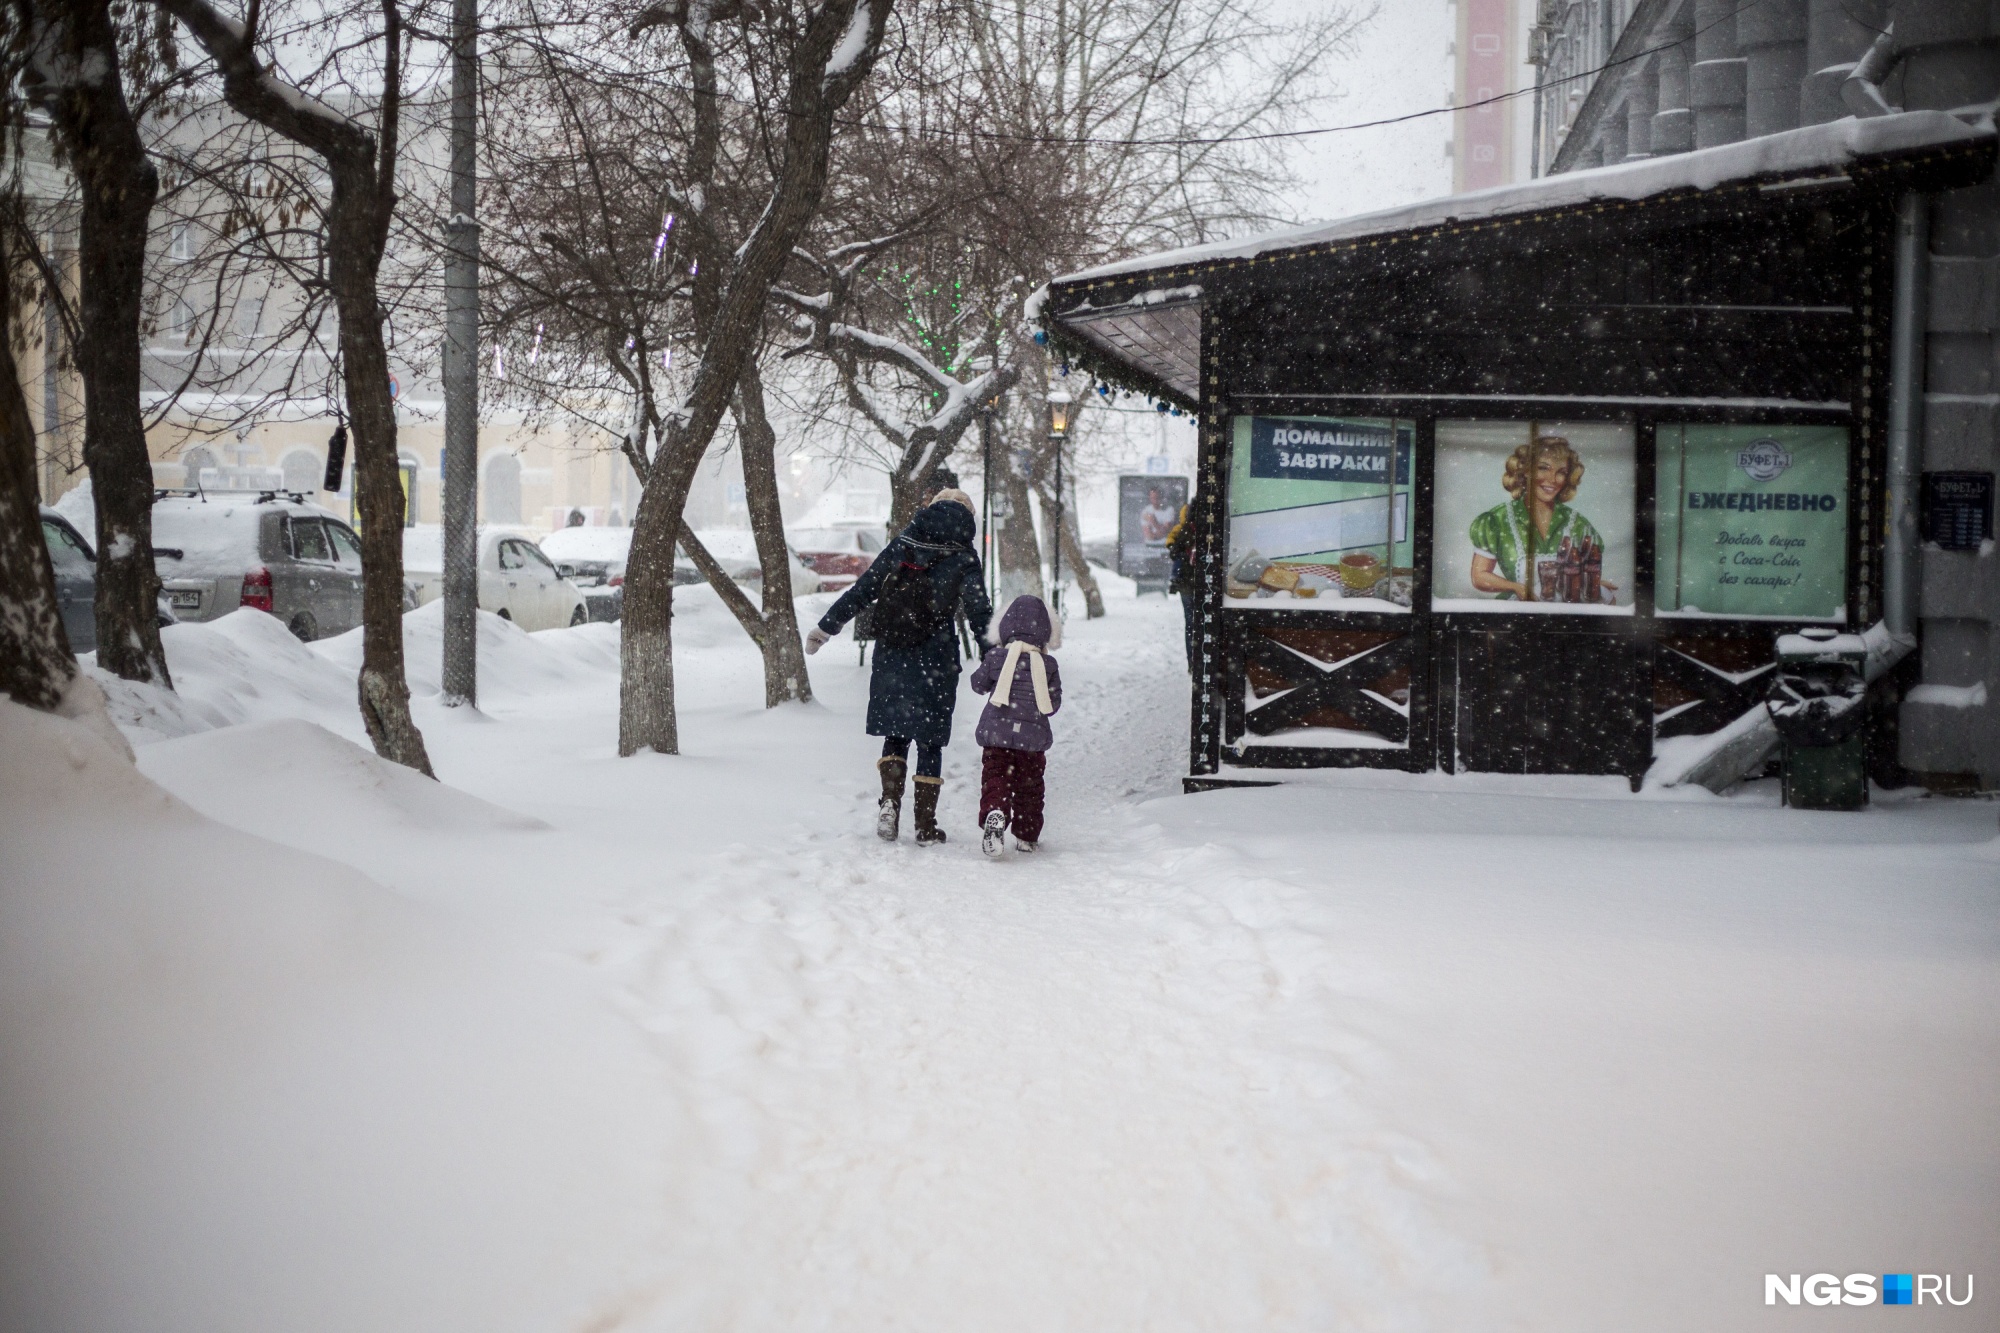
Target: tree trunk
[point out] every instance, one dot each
(36, 666)
(354, 255)
(1020, 553)
(1074, 561)
(785, 678)
(646, 717)
(905, 498)
(118, 184)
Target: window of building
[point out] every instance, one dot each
(1534, 516)
(1752, 522)
(503, 489)
(303, 471)
(1319, 513)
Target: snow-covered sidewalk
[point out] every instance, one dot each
(676, 1043)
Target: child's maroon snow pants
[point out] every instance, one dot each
(1010, 781)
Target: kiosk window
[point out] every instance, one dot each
(1534, 516)
(1319, 513)
(1752, 522)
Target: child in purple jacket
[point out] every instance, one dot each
(1014, 727)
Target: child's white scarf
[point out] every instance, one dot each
(1003, 690)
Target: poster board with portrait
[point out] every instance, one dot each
(1148, 508)
(1752, 522)
(1319, 513)
(1535, 517)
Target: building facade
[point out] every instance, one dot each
(237, 383)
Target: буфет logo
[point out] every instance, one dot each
(1859, 1289)
(1764, 459)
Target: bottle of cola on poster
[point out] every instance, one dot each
(1593, 572)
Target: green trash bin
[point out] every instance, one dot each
(1819, 702)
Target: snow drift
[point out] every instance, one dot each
(245, 1088)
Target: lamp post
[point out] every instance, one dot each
(1059, 413)
(458, 495)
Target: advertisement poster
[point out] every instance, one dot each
(1148, 507)
(1534, 516)
(1319, 513)
(1753, 522)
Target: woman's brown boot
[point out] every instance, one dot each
(927, 798)
(889, 813)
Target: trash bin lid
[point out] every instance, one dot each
(1819, 644)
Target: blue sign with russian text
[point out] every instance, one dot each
(1305, 450)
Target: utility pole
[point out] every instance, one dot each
(461, 370)
(986, 539)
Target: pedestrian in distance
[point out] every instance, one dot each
(1014, 728)
(918, 586)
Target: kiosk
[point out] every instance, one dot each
(1530, 479)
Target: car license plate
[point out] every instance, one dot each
(183, 600)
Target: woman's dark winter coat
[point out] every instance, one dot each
(1017, 722)
(911, 691)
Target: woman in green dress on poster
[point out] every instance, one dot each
(1536, 532)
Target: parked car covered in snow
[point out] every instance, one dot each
(840, 554)
(735, 549)
(517, 581)
(593, 558)
(75, 565)
(270, 551)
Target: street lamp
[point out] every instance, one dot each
(1059, 411)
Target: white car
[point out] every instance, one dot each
(516, 581)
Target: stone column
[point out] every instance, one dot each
(1611, 136)
(1673, 123)
(1838, 34)
(1715, 83)
(1949, 57)
(1771, 35)
(1642, 101)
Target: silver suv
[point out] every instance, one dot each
(270, 551)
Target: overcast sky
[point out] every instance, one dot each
(1401, 63)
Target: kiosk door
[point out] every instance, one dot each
(1533, 698)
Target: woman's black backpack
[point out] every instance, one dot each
(910, 607)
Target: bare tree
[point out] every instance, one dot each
(832, 52)
(607, 251)
(622, 249)
(75, 72)
(1025, 142)
(710, 236)
(951, 398)
(361, 166)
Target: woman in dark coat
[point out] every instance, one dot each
(913, 687)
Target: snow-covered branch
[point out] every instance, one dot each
(258, 93)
